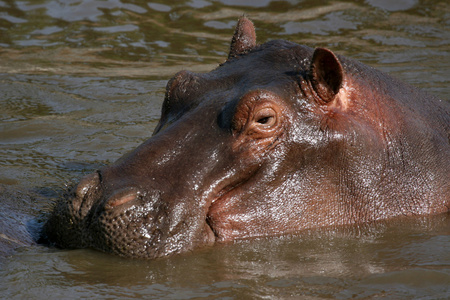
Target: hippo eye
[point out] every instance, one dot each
(264, 120)
(266, 116)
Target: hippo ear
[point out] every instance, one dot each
(244, 38)
(326, 74)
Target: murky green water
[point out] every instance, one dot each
(81, 83)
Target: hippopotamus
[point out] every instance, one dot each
(279, 138)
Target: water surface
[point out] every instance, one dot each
(82, 82)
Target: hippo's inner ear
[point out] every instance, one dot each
(244, 38)
(326, 74)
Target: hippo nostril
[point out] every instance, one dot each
(84, 193)
(87, 183)
(122, 197)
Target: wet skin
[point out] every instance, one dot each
(279, 138)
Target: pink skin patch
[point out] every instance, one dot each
(122, 198)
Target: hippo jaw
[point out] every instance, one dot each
(131, 222)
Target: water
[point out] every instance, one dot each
(81, 83)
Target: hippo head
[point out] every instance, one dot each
(238, 152)
(222, 163)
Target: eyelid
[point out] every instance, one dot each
(254, 106)
(266, 113)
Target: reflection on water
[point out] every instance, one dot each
(81, 83)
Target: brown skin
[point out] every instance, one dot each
(279, 138)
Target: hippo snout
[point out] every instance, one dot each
(112, 215)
